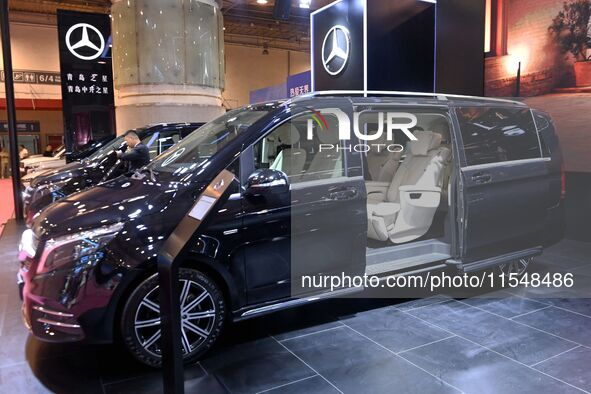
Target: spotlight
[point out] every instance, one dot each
(262, 1)
(305, 3)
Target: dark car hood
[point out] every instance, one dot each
(120, 200)
(68, 171)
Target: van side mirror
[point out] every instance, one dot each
(265, 181)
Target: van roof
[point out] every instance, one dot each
(360, 96)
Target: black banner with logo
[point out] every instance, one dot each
(403, 45)
(86, 77)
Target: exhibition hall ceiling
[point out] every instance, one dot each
(246, 22)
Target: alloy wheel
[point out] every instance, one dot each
(198, 313)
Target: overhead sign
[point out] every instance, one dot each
(298, 84)
(86, 77)
(27, 126)
(337, 35)
(402, 45)
(34, 77)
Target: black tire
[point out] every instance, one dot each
(140, 319)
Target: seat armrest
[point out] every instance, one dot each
(376, 191)
(386, 210)
(377, 184)
(419, 189)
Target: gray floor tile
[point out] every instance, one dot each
(255, 366)
(307, 330)
(19, 379)
(420, 302)
(474, 369)
(313, 385)
(568, 250)
(571, 367)
(514, 340)
(354, 364)
(196, 381)
(578, 305)
(509, 306)
(559, 322)
(394, 329)
(582, 270)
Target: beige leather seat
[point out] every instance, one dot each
(382, 164)
(290, 160)
(327, 162)
(404, 209)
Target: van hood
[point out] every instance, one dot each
(120, 200)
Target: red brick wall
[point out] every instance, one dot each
(528, 40)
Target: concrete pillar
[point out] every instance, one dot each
(168, 61)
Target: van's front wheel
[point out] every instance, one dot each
(202, 317)
(515, 269)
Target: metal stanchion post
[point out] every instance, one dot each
(11, 111)
(169, 259)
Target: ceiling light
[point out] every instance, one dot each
(305, 3)
(262, 1)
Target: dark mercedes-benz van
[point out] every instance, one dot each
(98, 167)
(323, 184)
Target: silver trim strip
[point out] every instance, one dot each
(50, 312)
(506, 163)
(437, 96)
(531, 112)
(57, 323)
(298, 301)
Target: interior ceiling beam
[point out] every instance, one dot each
(241, 17)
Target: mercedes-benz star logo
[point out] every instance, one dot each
(85, 48)
(336, 54)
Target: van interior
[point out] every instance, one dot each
(408, 190)
(408, 198)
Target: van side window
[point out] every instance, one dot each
(493, 135)
(305, 148)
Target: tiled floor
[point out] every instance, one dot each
(519, 341)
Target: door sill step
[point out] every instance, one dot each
(494, 261)
(405, 264)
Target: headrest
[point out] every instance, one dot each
(381, 151)
(329, 136)
(288, 134)
(435, 141)
(426, 140)
(440, 125)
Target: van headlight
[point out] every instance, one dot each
(83, 248)
(49, 188)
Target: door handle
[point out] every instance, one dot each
(347, 193)
(482, 177)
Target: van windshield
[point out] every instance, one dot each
(105, 150)
(200, 146)
(109, 147)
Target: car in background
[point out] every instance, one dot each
(68, 157)
(38, 163)
(102, 165)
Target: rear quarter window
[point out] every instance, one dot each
(545, 130)
(498, 134)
